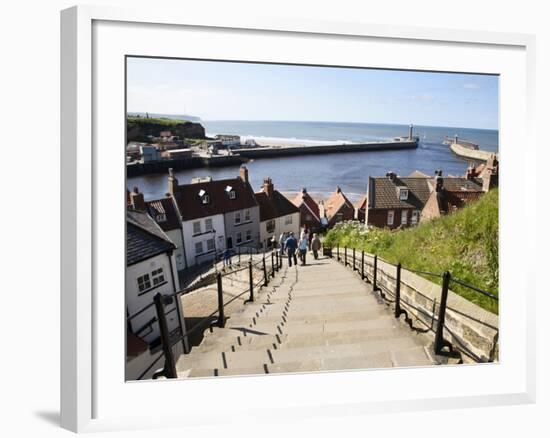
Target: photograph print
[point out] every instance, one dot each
(299, 218)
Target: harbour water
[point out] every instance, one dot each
(320, 174)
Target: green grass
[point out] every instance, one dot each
(155, 121)
(464, 243)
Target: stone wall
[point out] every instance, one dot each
(469, 328)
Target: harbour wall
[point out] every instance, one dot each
(282, 151)
(470, 154)
(137, 169)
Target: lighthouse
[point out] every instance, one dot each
(410, 132)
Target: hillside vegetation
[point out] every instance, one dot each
(155, 121)
(464, 243)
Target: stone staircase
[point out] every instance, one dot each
(310, 318)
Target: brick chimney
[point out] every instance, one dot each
(304, 193)
(489, 175)
(268, 187)
(136, 200)
(391, 176)
(173, 184)
(243, 173)
(438, 180)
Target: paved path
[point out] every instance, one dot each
(312, 318)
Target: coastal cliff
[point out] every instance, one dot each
(138, 128)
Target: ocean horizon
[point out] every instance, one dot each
(321, 174)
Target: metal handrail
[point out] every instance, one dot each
(221, 305)
(476, 289)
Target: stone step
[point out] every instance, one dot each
(296, 340)
(304, 315)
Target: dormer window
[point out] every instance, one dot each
(403, 193)
(205, 198)
(230, 192)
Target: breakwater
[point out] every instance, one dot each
(136, 169)
(470, 154)
(284, 151)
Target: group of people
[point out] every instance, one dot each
(290, 245)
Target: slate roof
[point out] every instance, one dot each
(144, 238)
(383, 192)
(305, 198)
(274, 206)
(461, 184)
(191, 207)
(164, 206)
(335, 202)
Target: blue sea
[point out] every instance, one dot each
(320, 174)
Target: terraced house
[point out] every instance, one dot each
(215, 215)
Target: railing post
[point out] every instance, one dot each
(398, 291)
(272, 264)
(338, 251)
(239, 251)
(266, 279)
(362, 265)
(345, 256)
(221, 315)
(439, 340)
(280, 262)
(169, 370)
(250, 280)
(277, 261)
(354, 268)
(375, 274)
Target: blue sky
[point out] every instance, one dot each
(240, 91)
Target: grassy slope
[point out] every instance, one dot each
(464, 243)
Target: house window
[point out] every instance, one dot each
(339, 217)
(144, 283)
(270, 226)
(288, 220)
(232, 194)
(403, 194)
(248, 235)
(210, 245)
(161, 217)
(239, 238)
(414, 217)
(198, 247)
(247, 215)
(197, 227)
(390, 217)
(237, 217)
(158, 276)
(404, 214)
(208, 225)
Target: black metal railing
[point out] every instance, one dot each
(160, 301)
(369, 262)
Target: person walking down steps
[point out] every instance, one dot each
(290, 247)
(302, 247)
(315, 246)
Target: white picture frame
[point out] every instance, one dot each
(84, 393)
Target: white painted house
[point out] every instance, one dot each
(150, 269)
(277, 214)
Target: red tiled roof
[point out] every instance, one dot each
(308, 201)
(274, 206)
(335, 202)
(190, 203)
(362, 203)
